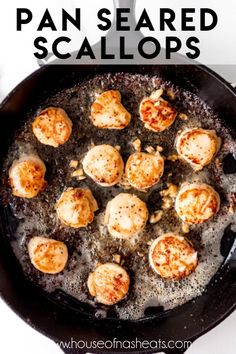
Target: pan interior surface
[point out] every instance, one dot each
(149, 294)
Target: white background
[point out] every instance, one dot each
(217, 46)
(15, 336)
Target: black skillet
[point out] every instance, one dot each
(61, 321)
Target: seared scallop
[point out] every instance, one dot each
(47, 255)
(156, 113)
(196, 203)
(104, 165)
(52, 126)
(76, 207)
(171, 256)
(144, 170)
(26, 176)
(126, 215)
(109, 283)
(198, 146)
(107, 111)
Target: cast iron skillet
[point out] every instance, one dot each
(69, 319)
(60, 323)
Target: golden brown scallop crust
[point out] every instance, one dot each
(171, 256)
(126, 215)
(196, 203)
(157, 115)
(52, 126)
(144, 170)
(26, 177)
(198, 146)
(47, 255)
(104, 164)
(109, 283)
(107, 111)
(76, 207)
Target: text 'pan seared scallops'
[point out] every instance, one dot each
(126, 215)
(26, 176)
(76, 207)
(144, 170)
(47, 255)
(171, 256)
(107, 111)
(196, 203)
(197, 146)
(52, 127)
(104, 164)
(156, 113)
(109, 283)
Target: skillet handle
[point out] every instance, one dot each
(112, 37)
(130, 4)
(124, 4)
